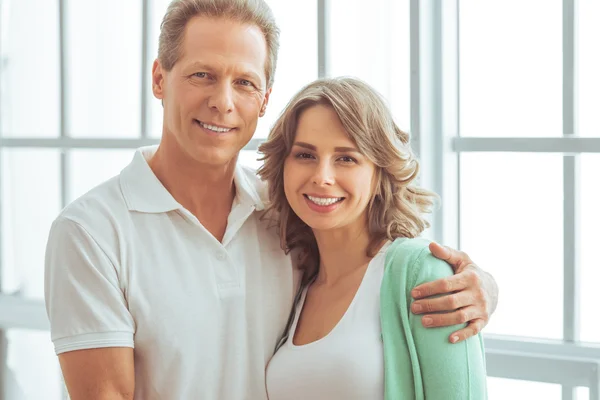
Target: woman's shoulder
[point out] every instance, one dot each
(412, 259)
(407, 250)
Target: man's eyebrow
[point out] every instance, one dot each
(251, 75)
(200, 65)
(242, 74)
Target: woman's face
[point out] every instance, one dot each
(327, 181)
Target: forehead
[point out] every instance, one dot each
(223, 42)
(320, 124)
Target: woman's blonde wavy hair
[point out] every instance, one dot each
(397, 206)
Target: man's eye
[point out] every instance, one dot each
(200, 74)
(245, 82)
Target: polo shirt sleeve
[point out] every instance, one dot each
(84, 301)
(448, 371)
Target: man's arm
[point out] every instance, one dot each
(471, 295)
(99, 374)
(91, 327)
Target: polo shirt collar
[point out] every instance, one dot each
(143, 192)
(250, 190)
(141, 189)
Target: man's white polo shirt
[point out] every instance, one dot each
(127, 266)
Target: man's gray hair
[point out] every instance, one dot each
(253, 12)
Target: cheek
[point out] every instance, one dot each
(182, 103)
(362, 186)
(249, 107)
(288, 178)
(294, 178)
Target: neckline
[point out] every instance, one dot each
(300, 306)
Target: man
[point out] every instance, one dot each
(171, 255)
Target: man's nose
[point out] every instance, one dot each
(221, 98)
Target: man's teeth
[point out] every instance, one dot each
(215, 128)
(327, 201)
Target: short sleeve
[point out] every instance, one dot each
(85, 303)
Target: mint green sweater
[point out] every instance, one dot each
(420, 363)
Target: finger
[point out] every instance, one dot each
(472, 329)
(460, 316)
(447, 303)
(439, 251)
(453, 257)
(443, 285)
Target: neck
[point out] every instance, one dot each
(200, 188)
(341, 252)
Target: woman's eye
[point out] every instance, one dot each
(347, 159)
(304, 156)
(245, 82)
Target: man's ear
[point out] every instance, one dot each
(263, 108)
(158, 80)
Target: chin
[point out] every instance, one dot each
(320, 224)
(212, 155)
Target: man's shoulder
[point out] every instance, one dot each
(104, 202)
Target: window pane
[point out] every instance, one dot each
(29, 80)
(33, 370)
(582, 393)
(250, 158)
(297, 62)
(590, 264)
(296, 65)
(511, 225)
(89, 168)
(157, 12)
(511, 74)
(104, 68)
(378, 52)
(502, 389)
(27, 176)
(588, 64)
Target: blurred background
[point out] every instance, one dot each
(502, 99)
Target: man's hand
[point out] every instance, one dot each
(471, 295)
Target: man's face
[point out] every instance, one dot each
(216, 91)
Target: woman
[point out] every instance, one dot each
(341, 183)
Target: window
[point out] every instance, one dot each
(500, 389)
(103, 68)
(588, 90)
(525, 184)
(506, 204)
(590, 271)
(510, 78)
(29, 92)
(378, 54)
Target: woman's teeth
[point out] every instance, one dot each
(324, 201)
